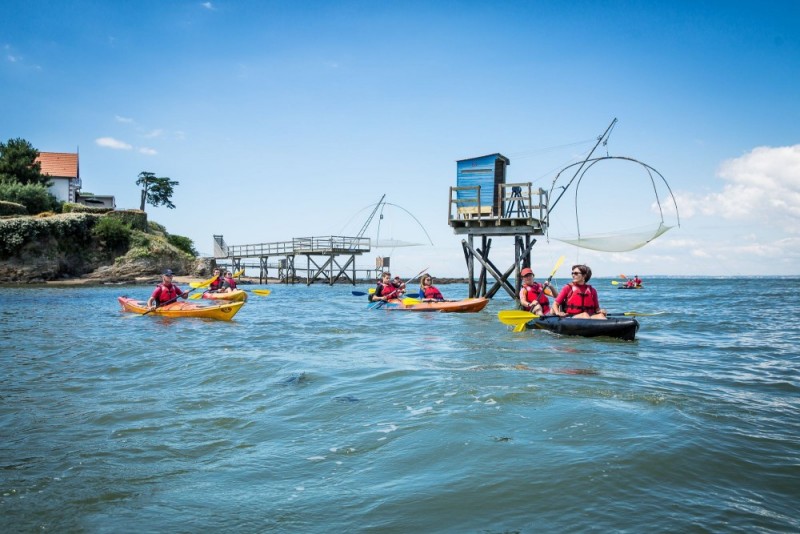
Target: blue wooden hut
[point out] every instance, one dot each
(477, 180)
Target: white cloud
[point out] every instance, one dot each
(763, 185)
(148, 151)
(154, 133)
(125, 120)
(110, 142)
(208, 5)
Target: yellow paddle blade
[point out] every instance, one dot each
(196, 296)
(614, 282)
(409, 302)
(371, 290)
(238, 273)
(520, 327)
(202, 284)
(558, 264)
(262, 292)
(515, 317)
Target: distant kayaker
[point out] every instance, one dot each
(637, 282)
(385, 290)
(217, 283)
(532, 296)
(578, 299)
(229, 285)
(427, 291)
(165, 292)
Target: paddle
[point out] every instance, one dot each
(170, 301)
(259, 292)
(382, 302)
(372, 290)
(614, 283)
(553, 272)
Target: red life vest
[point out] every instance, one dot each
(166, 294)
(216, 284)
(579, 299)
(535, 293)
(431, 292)
(231, 282)
(388, 290)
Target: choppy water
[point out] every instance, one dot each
(309, 413)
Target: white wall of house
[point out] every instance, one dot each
(60, 189)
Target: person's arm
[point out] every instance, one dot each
(523, 298)
(151, 302)
(562, 296)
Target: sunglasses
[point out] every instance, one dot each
(576, 273)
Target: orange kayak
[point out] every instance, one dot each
(224, 311)
(235, 295)
(445, 306)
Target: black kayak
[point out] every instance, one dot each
(618, 327)
(632, 287)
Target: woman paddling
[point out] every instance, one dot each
(427, 291)
(578, 299)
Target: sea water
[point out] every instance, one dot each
(311, 413)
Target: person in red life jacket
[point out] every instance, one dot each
(578, 299)
(229, 284)
(427, 291)
(399, 284)
(630, 283)
(531, 295)
(637, 282)
(217, 283)
(165, 292)
(385, 290)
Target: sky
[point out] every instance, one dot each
(292, 119)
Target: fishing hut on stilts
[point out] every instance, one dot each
(484, 206)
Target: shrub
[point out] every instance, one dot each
(12, 208)
(183, 243)
(71, 230)
(113, 232)
(136, 219)
(71, 207)
(36, 198)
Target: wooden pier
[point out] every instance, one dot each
(329, 259)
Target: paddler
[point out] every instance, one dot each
(578, 299)
(385, 290)
(165, 292)
(427, 291)
(531, 295)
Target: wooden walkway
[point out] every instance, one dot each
(329, 259)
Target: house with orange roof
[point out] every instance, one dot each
(64, 171)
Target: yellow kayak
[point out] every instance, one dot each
(234, 296)
(223, 312)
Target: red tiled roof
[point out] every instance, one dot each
(61, 164)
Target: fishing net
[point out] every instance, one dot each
(624, 240)
(619, 241)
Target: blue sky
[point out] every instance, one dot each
(289, 119)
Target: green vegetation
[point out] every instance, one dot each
(21, 178)
(18, 163)
(114, 233)
(12, 208)
(68, 231)
(156, 191)
(182, 243)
